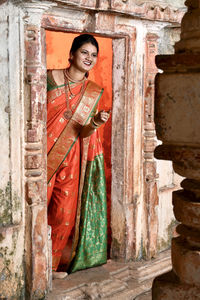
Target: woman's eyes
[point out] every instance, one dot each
(85, 52)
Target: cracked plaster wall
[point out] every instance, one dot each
(11, 195)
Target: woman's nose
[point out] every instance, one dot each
(89, 56)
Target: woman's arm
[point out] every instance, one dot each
(87, 130)
(98, 120)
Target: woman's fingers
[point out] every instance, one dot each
(104, 115)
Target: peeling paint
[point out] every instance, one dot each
(6, 209)
(11, 282)
(164, 244)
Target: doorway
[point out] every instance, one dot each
(58, 45)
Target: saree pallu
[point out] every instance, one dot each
(76, 192)
(92, 243)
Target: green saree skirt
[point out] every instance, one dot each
(92, 246)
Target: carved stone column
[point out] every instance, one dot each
(177, 110)
(37, 260)
(150, 184)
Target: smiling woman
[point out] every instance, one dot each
(84, 58)
(75, 164)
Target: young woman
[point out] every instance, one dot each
(75, 165)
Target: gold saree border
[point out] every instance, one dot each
(69, 135)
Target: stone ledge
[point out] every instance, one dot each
(113, 280)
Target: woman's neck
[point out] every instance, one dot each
(75, 74)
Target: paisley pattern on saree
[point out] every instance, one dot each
(92, 247)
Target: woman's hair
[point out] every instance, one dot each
(81, 40)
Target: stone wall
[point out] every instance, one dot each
(177, 3)
(11, 175)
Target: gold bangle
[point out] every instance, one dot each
(97, 125)
(93, 124)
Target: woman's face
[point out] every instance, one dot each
(84, 58)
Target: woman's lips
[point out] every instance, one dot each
(87, 63)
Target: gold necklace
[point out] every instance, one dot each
(69, 79)
(68, 113)
(66, 74)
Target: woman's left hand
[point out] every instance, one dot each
(102, 117)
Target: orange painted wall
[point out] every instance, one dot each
(57, 49)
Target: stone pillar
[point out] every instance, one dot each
(150, 184)
(37, 261)
(177, 110)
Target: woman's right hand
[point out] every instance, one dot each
(99, 119)
(102, 117)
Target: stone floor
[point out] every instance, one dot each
(114, 280)
(144, 296)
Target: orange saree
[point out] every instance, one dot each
(76, 181)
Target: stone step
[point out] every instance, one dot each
(133, 292)
(65, 293)
(122, 274)
(151, 269)
(105, 289)
(114, 280)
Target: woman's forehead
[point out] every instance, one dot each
(89, 46)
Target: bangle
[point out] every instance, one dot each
(94, 124)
